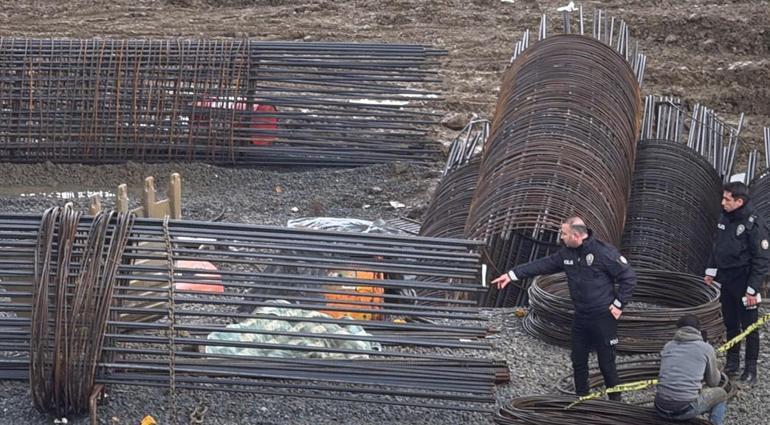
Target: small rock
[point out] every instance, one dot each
(396, 204)
(294, 209)
(400, 168)
(454, 121)
(671, 38)
(375, 189)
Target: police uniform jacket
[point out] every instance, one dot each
(741, 243)
(592, 271)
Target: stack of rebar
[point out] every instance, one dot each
(660, 299)
(558, 410)
(562, 144)
(631, 371)
(448, 210)
(218, 101)
(676, 192)
(673, 209)
(218, 306)
(760, 184)
(666, 118)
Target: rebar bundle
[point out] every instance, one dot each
(673, 208)
(666, 296)
(217, 101)
(632, 371)
(666, 118)
(562, 144)
(448, 210)
(760, 184)
(218, 306)
(556, 410)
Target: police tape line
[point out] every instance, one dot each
(640, 385)
(731, 343)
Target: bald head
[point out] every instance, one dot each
(573, 232)
(576, 225)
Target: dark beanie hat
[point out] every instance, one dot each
(688, 320)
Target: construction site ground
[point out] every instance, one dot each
(715, 53)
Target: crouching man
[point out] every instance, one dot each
(685, 362)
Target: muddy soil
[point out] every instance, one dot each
(705, 51)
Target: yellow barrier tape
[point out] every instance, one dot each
(640, 385)
(631, 386)
(738, 338)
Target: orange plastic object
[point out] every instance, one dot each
(181, 285)
(201, 119)
(368, 294)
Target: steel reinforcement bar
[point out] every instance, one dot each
(182, 304)
(563, 143)
(219, 101)
(660, 299)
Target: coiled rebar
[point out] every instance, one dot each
(673, 208)
(632, 371)
(641, 329)
(553, 410)
(563, 143)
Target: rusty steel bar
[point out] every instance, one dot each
(631, 371)
(563, 143)
(673, 208)
(760, 185)
(556, 410)
(660, 299)
(219, 101)
(274, 310)
(448, 209)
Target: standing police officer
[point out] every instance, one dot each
(739, 261)
(592, 267)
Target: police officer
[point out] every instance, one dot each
(739, 261)
(592, 267)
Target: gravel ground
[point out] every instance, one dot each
(252, 197)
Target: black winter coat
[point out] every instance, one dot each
(741, 243)
(592, 271)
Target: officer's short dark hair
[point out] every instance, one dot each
(739, 190)
(576, 225)
(690, 320)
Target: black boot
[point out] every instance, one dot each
(733, 365)
(749, 376)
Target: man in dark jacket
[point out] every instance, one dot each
(739, 261)
(684, 363)
(593, 267)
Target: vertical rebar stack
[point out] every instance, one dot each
(562, 144)
(667, 118)
(448, 210)
(218, 101)
(676, 190)
(760, 184)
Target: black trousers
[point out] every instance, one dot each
(735, 315)
(598, 331)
